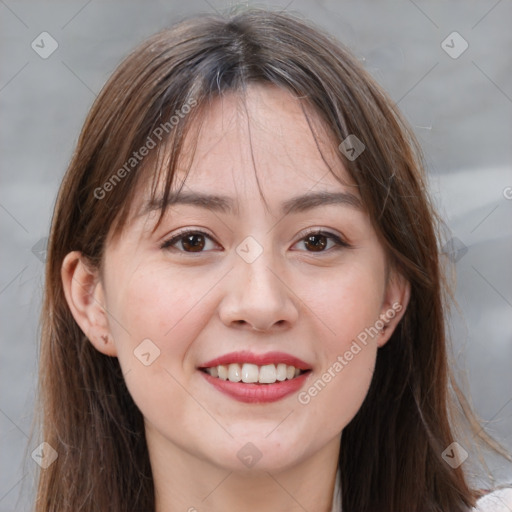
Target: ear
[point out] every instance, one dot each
(86, 300)
(394, 305)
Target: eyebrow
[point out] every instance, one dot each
(224, 204)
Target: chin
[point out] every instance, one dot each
(254, 454)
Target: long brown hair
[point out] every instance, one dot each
(390, 458)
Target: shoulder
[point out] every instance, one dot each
(496, 501)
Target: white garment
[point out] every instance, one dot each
(336, 498)
(497, 501)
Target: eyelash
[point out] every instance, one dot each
(339, 242)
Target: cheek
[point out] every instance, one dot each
(157, 315)
(347, 304)
(167, 308)
(338, 393)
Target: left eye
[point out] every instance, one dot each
(318, 241)
(197, 241)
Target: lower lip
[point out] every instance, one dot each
(257, 393)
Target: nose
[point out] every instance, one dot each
(258, 298)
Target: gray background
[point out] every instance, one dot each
(460, 108)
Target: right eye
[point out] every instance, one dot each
(189, 240)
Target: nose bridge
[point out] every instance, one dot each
(257, 294)
(258, 276)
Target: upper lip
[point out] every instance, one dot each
(257, 359)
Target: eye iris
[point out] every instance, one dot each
(193, 242)
(317, 245)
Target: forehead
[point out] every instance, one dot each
(267, 131)
(265, 142)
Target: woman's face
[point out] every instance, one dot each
(251, 286)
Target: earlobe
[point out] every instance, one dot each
(396, 300)
(84, 294)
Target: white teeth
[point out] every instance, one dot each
(281, 372)
(252, 373)
(222, 371)
(234, 372)
(268, 374)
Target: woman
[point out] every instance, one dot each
(244, 304)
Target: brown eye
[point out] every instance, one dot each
(193, 243)
(316, 243)
(189, 242)
(323, 241)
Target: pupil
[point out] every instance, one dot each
(193, 242)
(316, 246)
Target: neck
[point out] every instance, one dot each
(184, 482)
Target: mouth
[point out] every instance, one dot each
(252, 378)
(249, 373)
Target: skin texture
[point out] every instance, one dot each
(201, 305)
